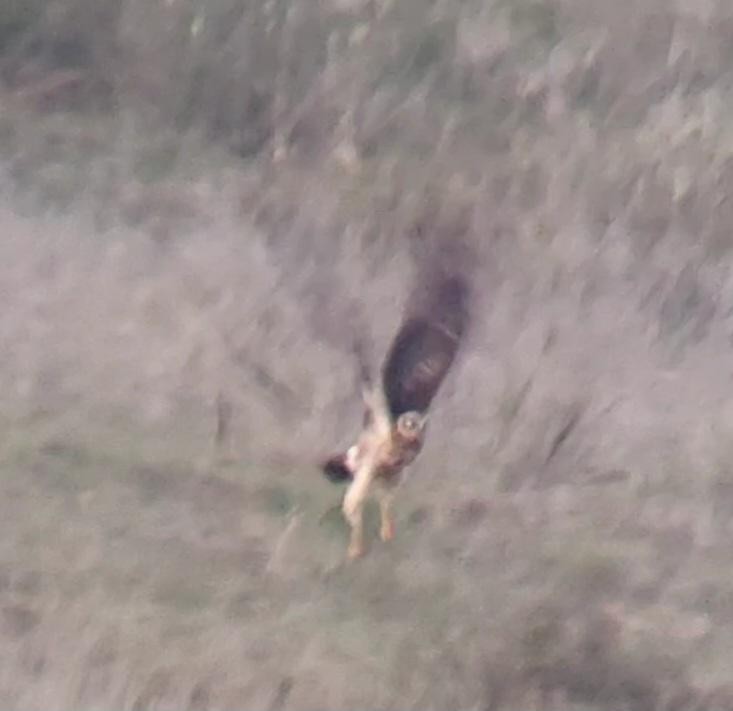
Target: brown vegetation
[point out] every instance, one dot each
(201, 202)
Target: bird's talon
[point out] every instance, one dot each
(387, 531)
(355, 552)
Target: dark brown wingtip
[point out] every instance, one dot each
(426, 344)
(335, 469)
(450, 303)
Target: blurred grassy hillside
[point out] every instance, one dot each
(202, 201)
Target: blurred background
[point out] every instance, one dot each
(202, 201)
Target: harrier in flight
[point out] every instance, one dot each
(396, 408)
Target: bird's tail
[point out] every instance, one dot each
(336, 470)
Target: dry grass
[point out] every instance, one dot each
(565, 539)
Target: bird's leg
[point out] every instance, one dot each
(353, 507)
(354, 513)
(387, 529)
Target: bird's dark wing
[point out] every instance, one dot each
(425, 347)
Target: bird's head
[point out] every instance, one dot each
(411, 425)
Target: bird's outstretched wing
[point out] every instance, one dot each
(425, 347)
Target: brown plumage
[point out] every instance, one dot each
(425, 347)
(397, 406)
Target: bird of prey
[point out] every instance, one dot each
(396, 406)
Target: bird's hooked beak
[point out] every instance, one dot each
(422, 423)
